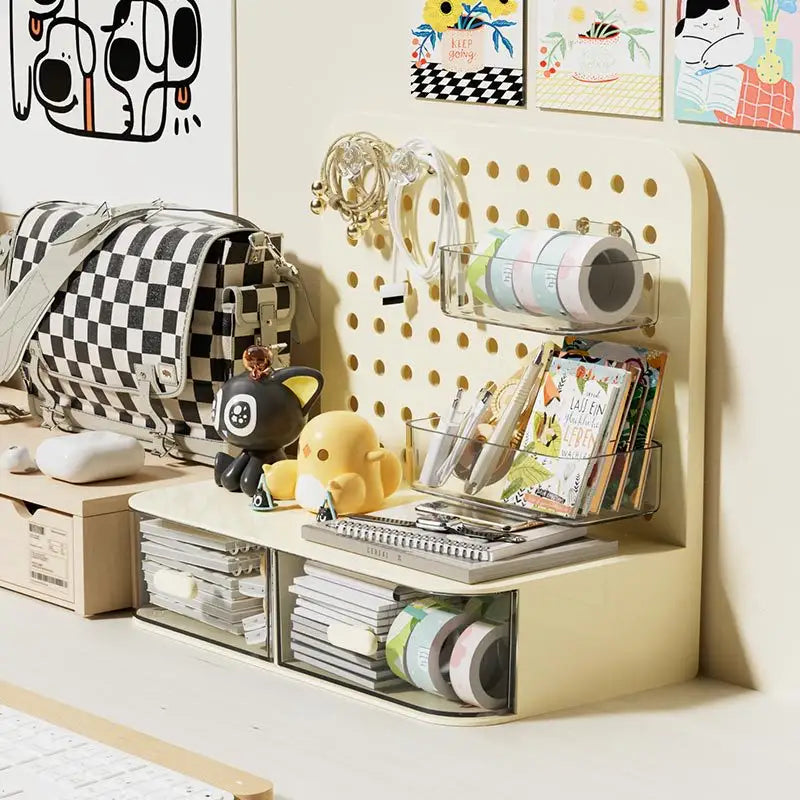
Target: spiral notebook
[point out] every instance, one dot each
(397, 531)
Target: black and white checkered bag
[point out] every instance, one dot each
(146, 330)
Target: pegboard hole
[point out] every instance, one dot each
(434, 293)
(434, 378)
(379, 409)
(353, 403)
(491, 346)
(618, 184)
(462, 340)
(463, 210)
(406, 373)
(523, 218)
(523, 173)
(352, 321)
(379, 326)
(521, 350)
(463, 166)
(649, 234)
(408, 202)
(434, 336)
(435, 420)
(585, 180)
(379, 367)
(462, 382)
(352, 242)
(379, 242)
(408, 244)
(405, 414)
(492, 214)
(378, 282)
(432, 248)
(352, 280)
(553, 221)
(352, 362)
(553, 176)
(648, 282)
(352, 194)
(435, 206)
(406, 331)
(650, 187)
(493, 169)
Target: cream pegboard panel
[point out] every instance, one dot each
(396, 363)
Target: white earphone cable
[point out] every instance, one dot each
(431, 157)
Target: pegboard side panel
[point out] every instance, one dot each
(395, 363)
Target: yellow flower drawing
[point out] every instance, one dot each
(577, 14)
(441, 14)
(501, 8)
(641, 7)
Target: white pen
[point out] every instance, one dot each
(495, 449)
(441, 445)
(467, 430)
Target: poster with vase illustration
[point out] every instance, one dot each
(735, 63)
(468, 52)
(603, 58)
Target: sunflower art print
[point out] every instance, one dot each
(603, 58)
(469, 52)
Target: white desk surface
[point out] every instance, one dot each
(699, 740)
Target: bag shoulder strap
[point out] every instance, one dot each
(25, 307)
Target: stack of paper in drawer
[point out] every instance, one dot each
(221, 576)
(326, 596)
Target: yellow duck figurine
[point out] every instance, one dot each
(338, 452)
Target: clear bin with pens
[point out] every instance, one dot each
(521, 481)
(211, 587)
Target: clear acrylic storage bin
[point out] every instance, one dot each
(615, 288)
(460, 649)
(570, 491)
(215, 588)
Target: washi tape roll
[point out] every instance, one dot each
(429, 648)
(401, 629)
(485, 251)
(535, 272)
(500, 274)
(600, 279)
(479, 665)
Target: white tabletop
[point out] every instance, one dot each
(702, 739)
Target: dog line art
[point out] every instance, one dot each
(113, 71)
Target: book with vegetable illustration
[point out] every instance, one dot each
(572, 411)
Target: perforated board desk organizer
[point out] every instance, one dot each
(582, 633)
(71, 545)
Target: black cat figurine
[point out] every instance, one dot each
(261, 411)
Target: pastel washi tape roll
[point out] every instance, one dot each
(500, 274)
(479, 665)
(535, 272)
(402, 628)
(429, 648)
(485, 250)
(600, 279)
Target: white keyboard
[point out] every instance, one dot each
(40, 761)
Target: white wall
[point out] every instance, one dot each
(302, 63)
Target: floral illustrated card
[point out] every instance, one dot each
(735, 63)
(469, 52)
(603, 58)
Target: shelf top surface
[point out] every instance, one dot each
(106, 497)
(207, 507)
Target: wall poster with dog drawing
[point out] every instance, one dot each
(736, 63)
(123, 100)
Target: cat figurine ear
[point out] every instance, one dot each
(305, 383)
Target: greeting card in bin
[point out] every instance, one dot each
(575, 415)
